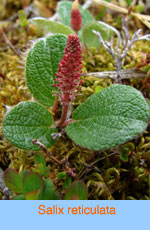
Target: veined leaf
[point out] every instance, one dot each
(13, 181)
(51, 26)
(33, 186)
(49, 192)
(41, 66)
(109, 118)
(28, 121)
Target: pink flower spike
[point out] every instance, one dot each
(68, 74)
(76, 18)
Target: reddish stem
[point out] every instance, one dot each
(54, 109)
(64, 110)
(36, 142)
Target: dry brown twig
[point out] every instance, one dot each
(64, 162)
(9, 43)
(127, 42)
(145, 19)
(36, 142)
(125, 74)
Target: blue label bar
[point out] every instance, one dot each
(74, 215)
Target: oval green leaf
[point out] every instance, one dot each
(106, 31)
(33, 186)
(13, 181)
(49, 192)
(39, 159)
(51, 26)
(28, 121)
(77, 191)
(109, 118)
(41, 66)
(19, 197)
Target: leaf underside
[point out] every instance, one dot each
(90, 39)
(28, 121)
(109, 118)
(51, 26)
(41, 66)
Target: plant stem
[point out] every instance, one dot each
(9, 43)
(64, 110)
(36, 142)
(54, 109)
(64, 163)
(64, 115)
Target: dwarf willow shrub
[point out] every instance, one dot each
(106, 119)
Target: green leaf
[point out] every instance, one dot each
(148, 102)
(28, 121)
(24, 173)
(33, 195)
(19, 197)
(106, 31)
(40, 162)
(33, 186)
(77, 191)
(41, 66)
(39, 159)
(49, 193)
(51, 26)
(13, 180)
(124, 154)
(61, 175)
(44, 172)
(64, 10)
(125, 150)
(109, 118)
(67, 182)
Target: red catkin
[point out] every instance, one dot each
(76, 18)
(69, 72)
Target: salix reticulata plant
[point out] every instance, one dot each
(106, 119)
